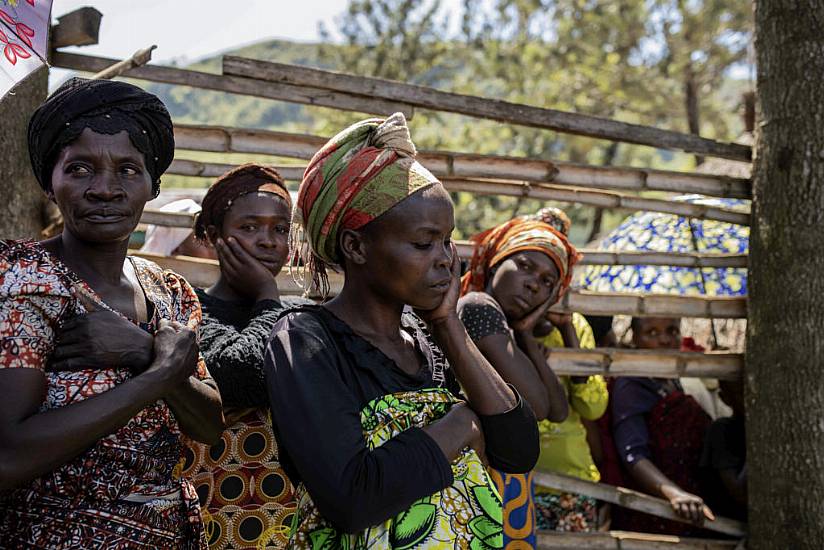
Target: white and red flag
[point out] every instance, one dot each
(24, 39)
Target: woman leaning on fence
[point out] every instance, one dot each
(518, 270)
(384, 415)
(246, 497)
(99, 367)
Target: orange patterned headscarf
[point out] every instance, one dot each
(517, 235)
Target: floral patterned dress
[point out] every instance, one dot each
(121, 492)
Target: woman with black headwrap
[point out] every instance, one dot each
(100, 373)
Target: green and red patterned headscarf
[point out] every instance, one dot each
(358, 175)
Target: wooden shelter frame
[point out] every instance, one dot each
(610, 187)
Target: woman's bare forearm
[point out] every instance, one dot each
(198, 409)
(34, 443)
(558, 405)
(486, 391)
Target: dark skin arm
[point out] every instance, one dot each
(654, 482)
(33, 443)
(735, 483)
(557, 403)
(563, 322)
(486, 392)
(460, 428)
(102, 339)
(517, 368)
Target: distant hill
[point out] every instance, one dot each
(207, 107)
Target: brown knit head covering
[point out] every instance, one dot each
(245, 179)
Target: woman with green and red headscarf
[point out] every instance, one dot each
(518, 270)
(384, 415)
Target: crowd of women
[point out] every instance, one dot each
(407, 411)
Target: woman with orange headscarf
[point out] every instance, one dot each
(518, 270)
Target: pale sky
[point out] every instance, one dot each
(191, 29)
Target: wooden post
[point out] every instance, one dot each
(80, 27)
(503, 111)
(23, 202)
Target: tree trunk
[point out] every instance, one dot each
(21, 199)
(785, 347)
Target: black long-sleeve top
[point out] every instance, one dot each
(320, 375)
(232, 341)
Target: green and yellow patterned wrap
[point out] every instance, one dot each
(468, 514)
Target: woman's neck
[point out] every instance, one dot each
(365, 312)
(101, 262)
(222, 290)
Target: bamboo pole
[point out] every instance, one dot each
(195, 168)
(503, 111)
(140, 58)
(636, 305)
(632, 500)
(450, 164)
(656, 363)
(236, 85)
(601, 199)
(624, 540)
(651, 305)
(203, 273)
(591, 256)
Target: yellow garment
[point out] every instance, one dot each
(564, 447)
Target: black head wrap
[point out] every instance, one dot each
(106, 107)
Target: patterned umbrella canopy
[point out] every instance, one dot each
(655, 232)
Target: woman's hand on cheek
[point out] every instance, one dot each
(246, 275)
(448, 306)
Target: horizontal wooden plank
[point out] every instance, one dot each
(450, 164)
(591, 256)
(638, 305)
(601, 199)
(236, 85)
(652, 305)
(656, 363)
(196, 168)
(633, 500)
(624, 540)
(503, 111)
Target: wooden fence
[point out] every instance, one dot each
(483, 174)
(493, 109)
(446, 164)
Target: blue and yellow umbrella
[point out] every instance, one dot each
(655, 232)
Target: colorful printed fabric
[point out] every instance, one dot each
(566, 512)
(468, 514)
(358, 175)
(246, 500)
(564, 445)
(654, 232)
(555, 218)
(517, 491)
(517, 235)
(120, 493)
